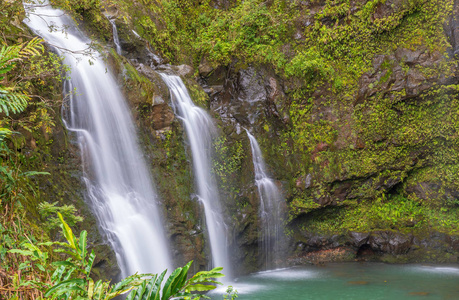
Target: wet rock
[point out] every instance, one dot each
(399, 73)
(387, 8)
(358, 239)
(157, 100)
(251, 86)
(390, 242)
(249, 96)
(307, 181)
(160, 88)
(451, 27)
(185, 70)
(410, 57)
(161, 116)
(205, 68)
(433, 190)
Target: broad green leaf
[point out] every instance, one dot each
(65, 286)
(91, 258)
(64, 263)
(82, 246)
(70, 237)
(200, 288)
(69, 273)
(40, 267)
(97, 289)
(167, 289)
(150, 288)
(90, 288)
(57, 275)
(33, 173)
(155, 295)
(179, 283)
(22, 252)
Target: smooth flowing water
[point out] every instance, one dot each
(118, 181)
(270, 209)
(350, 281)
(116, 39)
(200, 131)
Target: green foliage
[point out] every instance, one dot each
(70, 279)
(12, 99)
(48, 211)
(309, 64)
(231, 294)
(13, 181)
(90, 13)
(384, 213)
(78, 4)
(229, 155)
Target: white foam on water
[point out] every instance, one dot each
(287, 274)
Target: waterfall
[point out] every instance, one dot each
(117, 178)
(200, 131)
(270, 210)
(116, 39)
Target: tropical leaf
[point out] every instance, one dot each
(69, 236)
(57, 275)
(65, 287)
(33, 173)
(21, 252)
(82, 247)
(175, 282)
(200, 287)
(156, 287)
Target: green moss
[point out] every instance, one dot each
(229, 155)
(198, 95)
(89, 14)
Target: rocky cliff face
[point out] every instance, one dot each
(366, 154)
(380, 166)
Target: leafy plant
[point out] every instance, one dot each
(231, 294)
(71, 278)
(13, 99)
(49, 211)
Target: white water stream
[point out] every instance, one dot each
(116, 39)
(118, 181)
(270, 210)
(200, 131)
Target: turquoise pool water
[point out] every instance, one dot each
(350, 281)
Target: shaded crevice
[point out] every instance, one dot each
(365, 251)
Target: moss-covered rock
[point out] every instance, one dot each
(354, 104)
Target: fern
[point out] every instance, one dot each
(13, 99)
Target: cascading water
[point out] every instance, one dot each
(270, 211)
(200, 131)
(119, 184)
(116, 39)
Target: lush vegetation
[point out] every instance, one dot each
(393, 151)
(43, 275)
(322, 49)
(32, 266)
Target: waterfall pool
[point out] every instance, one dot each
(354, 281)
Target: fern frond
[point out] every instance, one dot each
(12, 101)
(10, 55)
